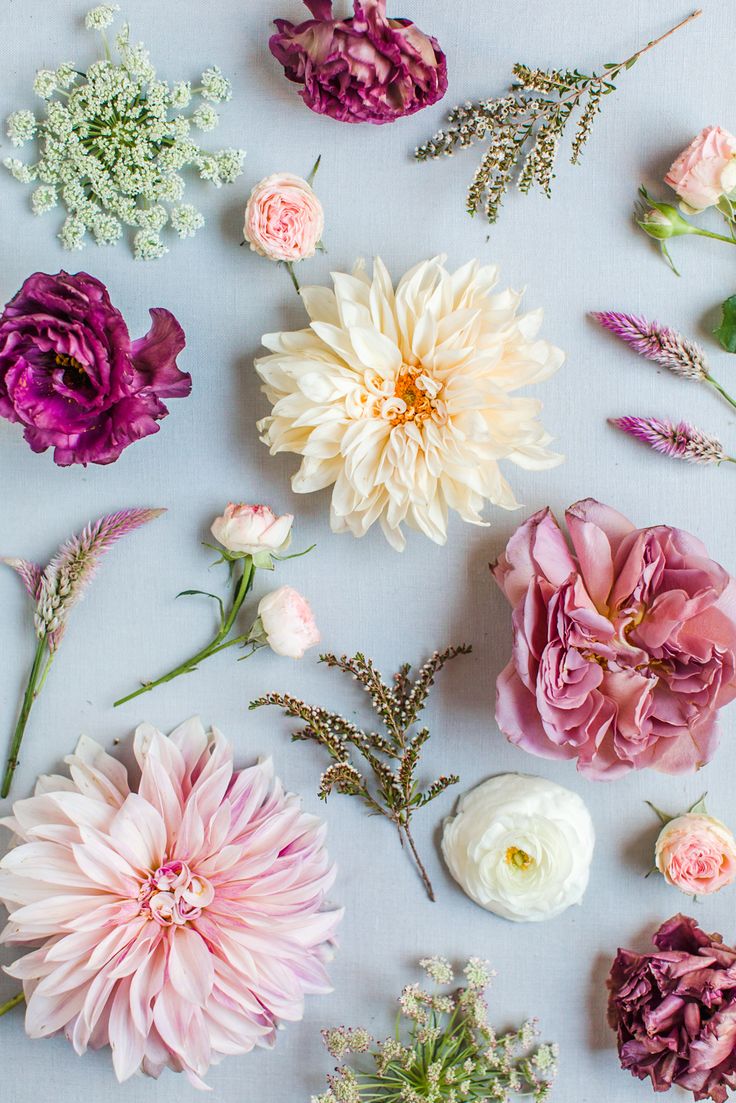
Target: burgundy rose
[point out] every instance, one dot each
(71, 376)
(364, 69)
(674, 1011)
(624, 643)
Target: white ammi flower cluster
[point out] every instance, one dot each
(113, 147)
(521, 847)
(403, 400)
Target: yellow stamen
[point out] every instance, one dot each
(419, 405)
(518, 858)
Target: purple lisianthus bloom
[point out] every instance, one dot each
(674, 1011)
(364, 69)
(70, 374)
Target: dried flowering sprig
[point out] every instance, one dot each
(251, 537)
(393, 758)
(113, 143)
(55, 591)
(448, 1052)
(680, 440)
(663, 345)
(526, 126)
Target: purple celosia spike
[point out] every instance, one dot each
(75, 564)
(30, 574)
(658, 343)
(681, 441)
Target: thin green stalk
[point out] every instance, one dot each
(292, 273)
(32, 690)
(215, 645)
(717, 237)
(721, 390)
(5, 1007)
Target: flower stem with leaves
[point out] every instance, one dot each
(55, 591)
(449, 1052)
(525, 127)
(392, 758)
(243, 571)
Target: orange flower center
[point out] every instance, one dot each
(518, 858)
(418, 402)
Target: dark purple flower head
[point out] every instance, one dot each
(71, 376)
(674, 1011)
(364, 69)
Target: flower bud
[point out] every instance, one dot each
(662, 220)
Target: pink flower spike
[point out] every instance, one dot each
(656, 342)
(680, 441)
(191, 920)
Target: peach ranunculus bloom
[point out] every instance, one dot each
(706, 170)
(288, 623)
(697, 854)
(249, 530)
(284, 219)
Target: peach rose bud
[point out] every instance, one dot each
(251, 530)
(287, 623)
(705, 171)
(284, 219)
(697, 854)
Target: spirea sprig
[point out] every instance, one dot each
(446, 1053)
(55, 590)
(525, 128)
(378, 768)
(113, 142)
(680, 440)
(662, 345)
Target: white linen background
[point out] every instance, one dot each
(577, 253)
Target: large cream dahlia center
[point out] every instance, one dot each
(415, 398)
(173, 895)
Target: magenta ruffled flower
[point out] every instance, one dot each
(624, 645)
(178, 920)
(675, 1011)
(364, 69)
(70, 374)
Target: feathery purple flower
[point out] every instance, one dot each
(74, 566)
(656, 342)
(56, 590)
(679, 440)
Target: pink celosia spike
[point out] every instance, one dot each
(30, 574)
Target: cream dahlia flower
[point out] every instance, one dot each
(176, 922)
(402, 400)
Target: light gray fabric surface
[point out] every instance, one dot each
(577, 253)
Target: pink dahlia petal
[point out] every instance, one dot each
(177, 923)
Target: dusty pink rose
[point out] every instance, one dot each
(250, 530)
(284, 219)
(288, 623)
(697, 854)
(624, 644)
(706, 170)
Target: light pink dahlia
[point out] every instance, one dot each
(178, 923)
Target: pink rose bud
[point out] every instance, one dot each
(706, 170)
(284, 219)
(697, 854)
(248, 530)
(288, 623)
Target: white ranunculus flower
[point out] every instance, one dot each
(287, 623)
(521, 847)
(403, 400)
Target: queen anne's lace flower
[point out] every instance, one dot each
(178, 922)
(112, 147)
(402, 399)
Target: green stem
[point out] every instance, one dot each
(215, 645)
(724, 393)
(292, 273)
(32, 691)
(716, 237)
(5, 1007)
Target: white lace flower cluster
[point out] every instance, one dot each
(114, 144)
